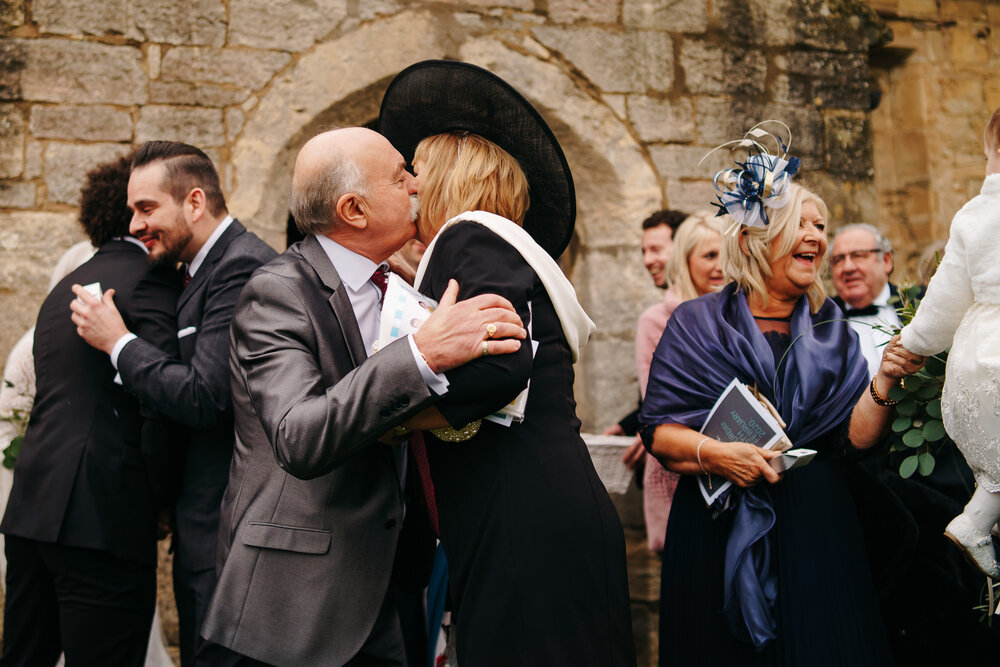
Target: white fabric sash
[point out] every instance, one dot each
(576, 325)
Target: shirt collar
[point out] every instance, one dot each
(133, 240)
(354, 270)
(883, 297)
(199, 259)
(880, 301)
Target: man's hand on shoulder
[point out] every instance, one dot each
(97, 320)
(457, 333)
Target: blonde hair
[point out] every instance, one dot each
(696, 228)
(750, 269)
(465, 172)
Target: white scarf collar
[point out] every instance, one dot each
(576, 325)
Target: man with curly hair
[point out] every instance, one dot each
(180, 215)
(80, 524)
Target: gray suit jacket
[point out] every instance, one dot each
(314, 506)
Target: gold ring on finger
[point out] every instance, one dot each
(491, 330)
(486, 349)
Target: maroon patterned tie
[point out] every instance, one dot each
(381, 278)
(417, 448)
(187, 278)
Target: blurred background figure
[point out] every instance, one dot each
(694, 269)
(657, 245)
(861, 261)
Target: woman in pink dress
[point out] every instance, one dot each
(695, 269)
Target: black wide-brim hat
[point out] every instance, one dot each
(437, 96)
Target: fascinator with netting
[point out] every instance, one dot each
(437, 96)
(758, 183)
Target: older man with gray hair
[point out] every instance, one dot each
(861, 261)
(317, 491)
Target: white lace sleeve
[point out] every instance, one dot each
(17, 392)
(949, 296)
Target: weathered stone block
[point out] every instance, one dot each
(690, 16)
(721, 119)
(763, 23)
(523, 5)
(848, 146)
(689, 196)
(925, 9)
(709, 69)
(791, 89)
(17, 194)
(33, 159)
(234, 123)
(269, 25)
(12, 60)
(31, 243)
(182, 21)
(633, 62)
(11, 141)
(11, 14)
(196, 94)
(675, 161)
(963, 10)
(966, 46)
(606, 389)
(199, 127)
(86, 123)
(806, 125)
(236, 67)
(661, 120)
(58, 70)
(592, 11)
(66, 167)
(848, 200)
(367, 11)
(81, 17)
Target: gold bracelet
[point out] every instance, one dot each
(884, 402)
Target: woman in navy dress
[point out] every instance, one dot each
(779, 576)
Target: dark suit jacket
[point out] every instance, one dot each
(893, 292)
(81, 478)
(194, 391)
(313, 511)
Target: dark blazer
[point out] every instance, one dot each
(81, 478)
(312, 515)
(893, 293)
(195, 390)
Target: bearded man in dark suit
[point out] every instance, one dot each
(81, 520)
(180, 214)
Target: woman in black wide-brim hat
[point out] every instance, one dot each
(535, 549)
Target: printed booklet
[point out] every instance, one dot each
(738, 416)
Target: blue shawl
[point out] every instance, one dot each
(708, 342)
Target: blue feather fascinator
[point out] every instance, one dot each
(760, 181)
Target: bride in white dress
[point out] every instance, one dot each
(962, 309)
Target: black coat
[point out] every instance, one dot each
(82, 478)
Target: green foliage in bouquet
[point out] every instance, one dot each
(20, 420)
(917, 434)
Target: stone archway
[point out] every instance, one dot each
(341, 82)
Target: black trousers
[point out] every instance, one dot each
(86, 603)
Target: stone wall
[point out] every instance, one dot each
(939, 82)
(637, 91)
